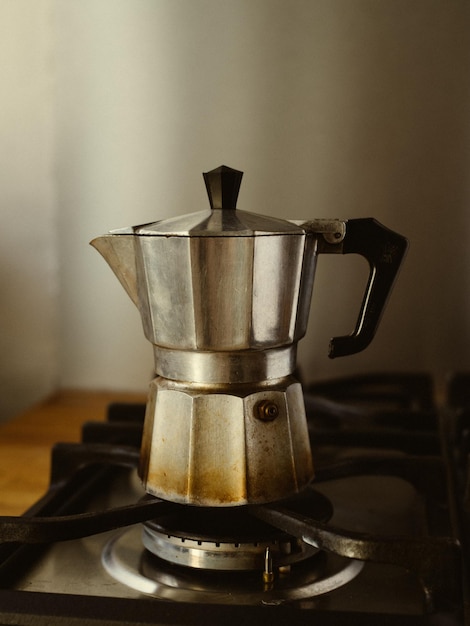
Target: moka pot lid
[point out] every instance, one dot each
(222, 219)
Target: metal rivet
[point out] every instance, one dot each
(267, 410)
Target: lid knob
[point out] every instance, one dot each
(223, 185)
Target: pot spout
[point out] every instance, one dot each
(119, 252)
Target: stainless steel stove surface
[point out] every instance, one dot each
(379, 537)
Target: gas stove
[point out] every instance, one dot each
(381, 535)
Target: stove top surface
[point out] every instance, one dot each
(381, 533)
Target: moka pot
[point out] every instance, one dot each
(224, 297)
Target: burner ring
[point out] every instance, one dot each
(230, 539)
(128, 563)
(222, 555)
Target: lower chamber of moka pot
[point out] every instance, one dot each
(225, 445)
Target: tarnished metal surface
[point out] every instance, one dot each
(224, 297)
(208, 446)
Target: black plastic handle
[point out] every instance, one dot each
(384, 250)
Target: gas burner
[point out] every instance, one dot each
(127, 562)
(230, 539)
(227, 556)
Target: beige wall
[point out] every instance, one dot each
(333, 108)
(28, 220)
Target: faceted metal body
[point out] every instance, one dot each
(209, 446)
(222, 293)
(224, 297)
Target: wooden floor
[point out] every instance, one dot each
(26, 442)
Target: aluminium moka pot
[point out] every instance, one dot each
(224, 297)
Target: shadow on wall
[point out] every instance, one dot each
(404, 158)
(28, 340)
